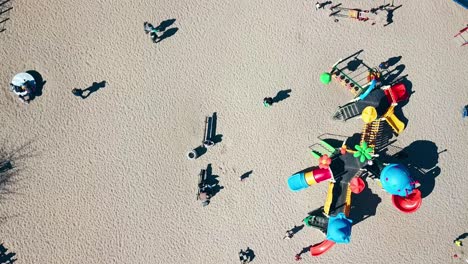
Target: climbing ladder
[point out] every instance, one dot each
(370, 134)
(346, 112)
(319, 149)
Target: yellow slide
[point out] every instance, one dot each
(393, 121)
(347, 208)
(328, 201)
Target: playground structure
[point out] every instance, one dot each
(461, 35)
(365, 83)
(346, 169)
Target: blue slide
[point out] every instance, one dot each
(367, 92)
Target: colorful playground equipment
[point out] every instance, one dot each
(368, 92)
(343, 170)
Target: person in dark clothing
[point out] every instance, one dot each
(267, 101)
(77, 92)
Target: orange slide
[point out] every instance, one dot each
(322, 247)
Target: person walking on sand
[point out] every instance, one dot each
(318, 6)
(297, 257)
(77, 92)
(289, 234)
(153, 31)
(267, 101)
(243, 257)
(384, 65)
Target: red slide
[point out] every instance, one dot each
(322, 247)
(408, 204)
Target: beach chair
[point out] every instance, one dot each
(396, 93)
(393, 121)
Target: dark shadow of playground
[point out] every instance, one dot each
(316, 212)
(216, 138)
(390, 76)
(212, 180)
(421, 158)
(354, 64)
(364, 205)
(390, 15)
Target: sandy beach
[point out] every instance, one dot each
(106, 179)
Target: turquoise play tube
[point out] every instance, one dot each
(367, 92)
(297, 182)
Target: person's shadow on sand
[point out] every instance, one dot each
(166, 33)
(281, 95)
(213, 181)
(6, 258)
(85, 93)
(39, 83)
(165, 24)
(364, 206)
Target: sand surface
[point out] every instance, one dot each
(106, 179)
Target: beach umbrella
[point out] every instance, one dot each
(325, 78)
